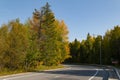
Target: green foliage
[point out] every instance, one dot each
(75, 51)
(91, 49)
(115, 43)
(42, 40)
(106, 48)
(51, 36)
(3, 45)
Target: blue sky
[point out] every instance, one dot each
(81, 16)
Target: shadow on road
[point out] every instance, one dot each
(76, 72)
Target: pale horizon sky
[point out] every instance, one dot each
(81, 16)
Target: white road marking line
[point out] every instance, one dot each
(112, 79)
(19, 74)
(57, 69)
(94, 75)
(16, 77)
(57, 76)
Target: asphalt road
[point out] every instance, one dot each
(71, 72)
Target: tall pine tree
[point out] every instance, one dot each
(51, 36)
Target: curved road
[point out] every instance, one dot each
(71, 72)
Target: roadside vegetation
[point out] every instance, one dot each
(38, 69)
(40, 43)
(94, 47)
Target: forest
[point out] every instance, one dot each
(43, 40)
(98, 49)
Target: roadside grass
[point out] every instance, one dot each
(5, 72)
(42, 68)
(9, 72)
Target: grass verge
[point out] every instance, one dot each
(9, 72)
(39, 68)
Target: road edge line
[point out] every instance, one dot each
(94, 75)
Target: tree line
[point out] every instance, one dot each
(97, 49)
(41, 40)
